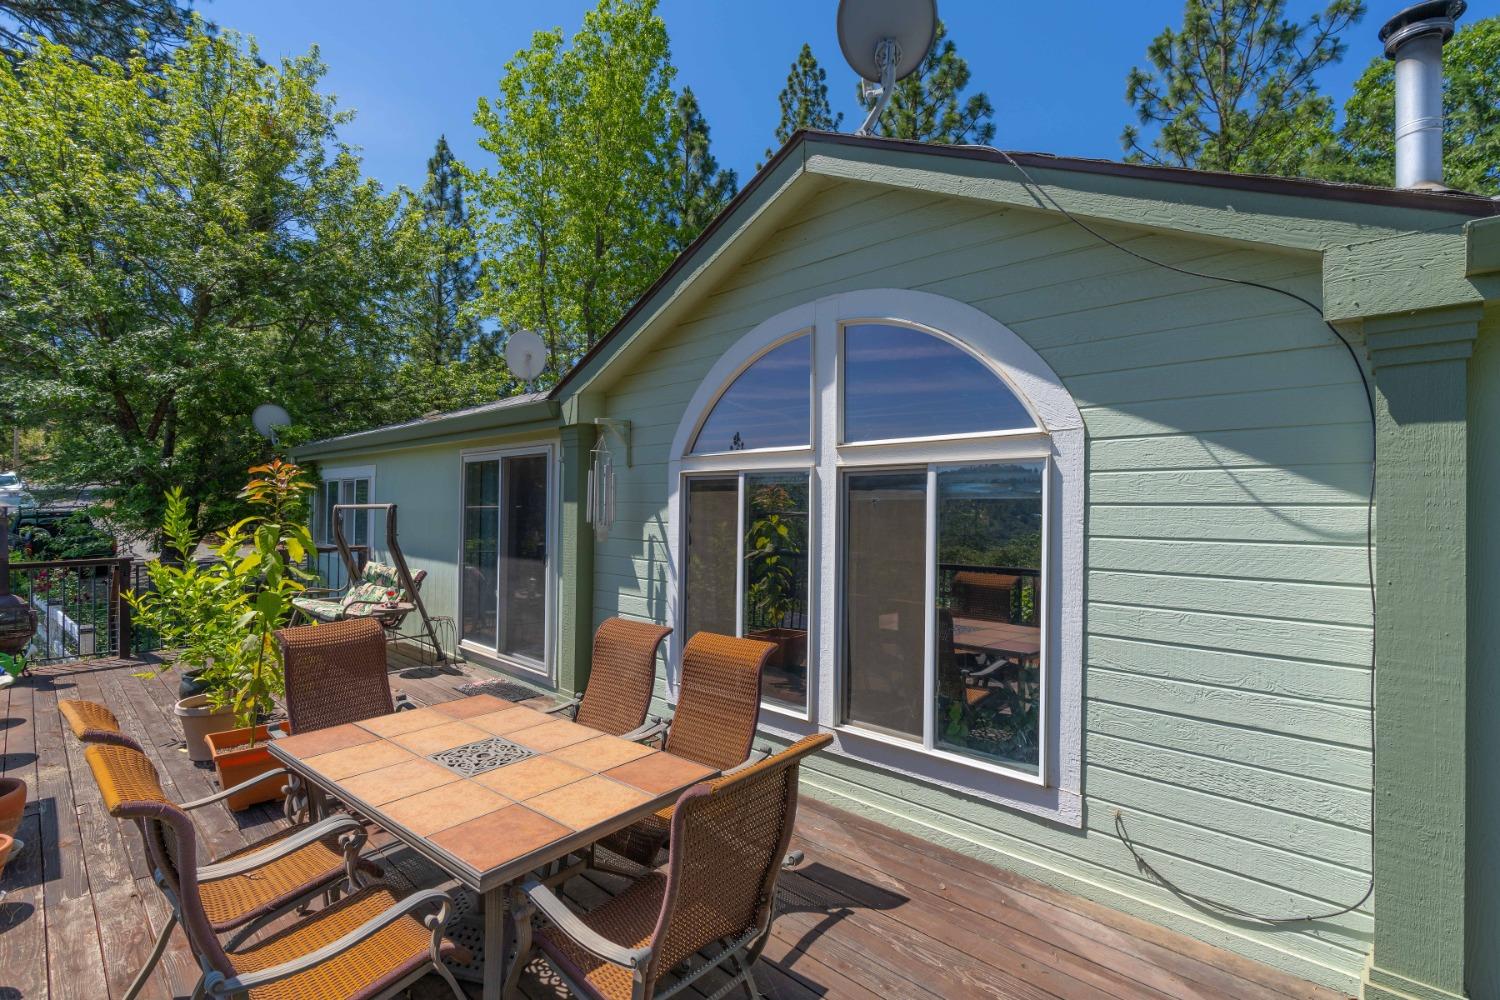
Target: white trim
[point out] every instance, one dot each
(1055, 792)
(338, 474)
(530, 669)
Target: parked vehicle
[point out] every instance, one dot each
(13, 492)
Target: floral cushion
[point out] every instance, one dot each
(325, 611)
(375, 582)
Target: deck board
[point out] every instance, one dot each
(871, 914)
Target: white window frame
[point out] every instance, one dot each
(1055, 792)
(547, 669)
(341, 474)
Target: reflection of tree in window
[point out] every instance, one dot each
(776, 579)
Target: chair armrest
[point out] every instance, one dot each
(305, 591)
(590, 940)
(218, 985)
(225, 793)
(570, 705)
(756, 756)
(341, 825)
(650, 731)
(404, 703)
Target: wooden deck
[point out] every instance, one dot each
(871, 913)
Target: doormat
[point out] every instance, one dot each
(500, 689)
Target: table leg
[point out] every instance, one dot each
(496, 941)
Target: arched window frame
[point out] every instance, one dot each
(1058, 437)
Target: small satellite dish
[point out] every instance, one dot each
(267, 417)
(526, 355)
(885, 41)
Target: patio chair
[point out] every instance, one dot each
(715, 895)
(242, 891)
(91, 722)
(335, 674)
(718, 707)
(621, 678)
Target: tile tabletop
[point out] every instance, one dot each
(496, 787)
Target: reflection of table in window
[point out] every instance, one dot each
(1021, 643)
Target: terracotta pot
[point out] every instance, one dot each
(8, 846)
(237, 761)
(198, 718)
(12, 804)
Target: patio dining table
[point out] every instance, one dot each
(488, 791)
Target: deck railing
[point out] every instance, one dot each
(80, 611)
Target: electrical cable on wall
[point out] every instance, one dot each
(1045, 198)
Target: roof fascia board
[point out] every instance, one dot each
(540, 414)
(1285, 221)
(695, 263)
(1484, 247)
(1403, 274)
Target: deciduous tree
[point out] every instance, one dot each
(584, 136)
(180, 244)
(929, 105)
(1235, 88)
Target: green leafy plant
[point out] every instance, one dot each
(774, 544)
(223, 616)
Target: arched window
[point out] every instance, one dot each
(886, 487)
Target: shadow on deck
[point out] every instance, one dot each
(870, 913)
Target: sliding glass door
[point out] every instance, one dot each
(505, 561)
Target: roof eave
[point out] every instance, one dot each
(515, 419)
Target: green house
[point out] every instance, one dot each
(1051, 481)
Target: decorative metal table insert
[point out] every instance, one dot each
(482, 757)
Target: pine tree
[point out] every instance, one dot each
(1234, 89)
(804, 100)
(701, 187)
(442, 327)
(927, 106)
(109, 28)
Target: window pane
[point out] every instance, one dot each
(524, 568)
(362, 517)
(712, 522)
(904, 383)
(884, 588)
(768, 406)
(481, 582)
(989, 605)
(776, 564)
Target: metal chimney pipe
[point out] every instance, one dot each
(1414, 38)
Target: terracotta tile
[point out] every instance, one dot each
(318, 741)
(398, 781)
(405, 722)
(358, 759)
(445, 737)
(602, 753)
(661, 773)
(504, 835)
(439, 808)
(588, 802)
(531, 777)
(509, 720)
(552, 735)
(478, 704)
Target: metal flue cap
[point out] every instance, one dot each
(1420, 19)
(864, 24)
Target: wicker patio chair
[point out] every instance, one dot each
(718, 707)
(91, 722)
(336, 673)
(715, 895)
(621, 678)
(242, 891)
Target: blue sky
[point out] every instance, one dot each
(1055, 72)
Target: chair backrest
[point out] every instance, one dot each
(335, 673)
(131, 789)
(622, 676)
(728, 839)
(91, 722)
(718, 699)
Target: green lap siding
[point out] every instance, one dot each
(1227, 621)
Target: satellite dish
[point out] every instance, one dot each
(526, 355)
(267, 417)
(885, 41)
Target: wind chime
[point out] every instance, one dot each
(601, 505)
(17, 619)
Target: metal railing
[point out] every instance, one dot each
(80, 611)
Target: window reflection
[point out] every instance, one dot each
(481, 568)
(989, 605)
(712, 521)
(776, 565)
(904, 383)
(768, 406)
